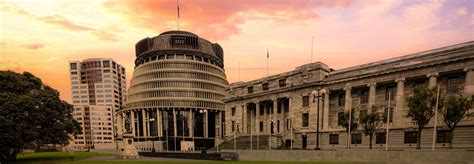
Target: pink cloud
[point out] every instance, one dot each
(59, 21)
(33, 46)
(214, 19)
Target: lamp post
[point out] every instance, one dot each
(316, 94)
(153, 138)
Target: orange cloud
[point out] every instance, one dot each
(214, 19)
(33, 46)
(59, 21)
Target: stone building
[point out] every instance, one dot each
(285, 105)
(175, 96)
(98, 91)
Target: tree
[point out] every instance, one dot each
(344, 121)
(31, 114)
(421, 107)
(455, 109)
(371, 123)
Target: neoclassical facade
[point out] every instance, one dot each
(175, 96)
(283, 105)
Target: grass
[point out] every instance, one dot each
(46, 157)
(63, 157)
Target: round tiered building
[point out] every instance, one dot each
(175, 97)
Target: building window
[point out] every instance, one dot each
(233, 111)
(390, 92)
(250, 90)
(341, 99)
(419, 85)
(282, 82)
(356, 138)
(333, 138)
(340, 118)
(265, 86)
(380, 138)
(261, 126)
(410, 137)
(305, 119)
(278, 126)
(305, 101)
(362, 114)
(385, 114)
(262, 111)
(452, 86)
(442, 136)
(73, 66)
(364, 96)
(106, 64)
(233, 126)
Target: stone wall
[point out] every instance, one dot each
(377, 156)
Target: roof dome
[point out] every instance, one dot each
(178, 32)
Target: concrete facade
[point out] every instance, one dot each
(283, 105)
(98, 91)
(175, 97)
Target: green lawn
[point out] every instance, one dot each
(45, 157)
(63, 157)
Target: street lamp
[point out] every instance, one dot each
(316, 94)
(153, 139)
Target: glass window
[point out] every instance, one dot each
(340, 118)
(305, 119)
(341, 99)
(410, 137)
(73, 66)
(452, 86)
(385, 114)
(391, 90)
(333, 138)
(380, 138)
(305, 101)
(419, 85)
(356, 138)
(233, 125)
(261, 126)
(442, 136)
(364, 96)
(106, 63)
(233, 111)
(282, 82)
(250, 89)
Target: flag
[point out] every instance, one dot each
(268, 55)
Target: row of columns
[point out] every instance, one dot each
(146, 131)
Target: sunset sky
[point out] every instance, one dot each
(42, 36)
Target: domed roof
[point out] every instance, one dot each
(178, 32)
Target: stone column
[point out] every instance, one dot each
(257, 114)
(175, 129)
(132, 122)
(326, 110)
(433, 77)
(147, 120)
(399, 99)
(244, 121)
(190, 123)
(372, 95)
(469, 83)
(274, 111)
(348, 101)
(206, 124)
(159, 121)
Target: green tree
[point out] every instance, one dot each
(371, 123)
(344, 121)
(455, 109)
(421, 107)
(31, 114)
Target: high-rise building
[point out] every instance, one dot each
(175, 97)
(98, 91)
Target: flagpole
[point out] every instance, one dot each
(267, 61)
(311, 49)
(388, 120)
(436, 120)
(177, 4)
(239, 70)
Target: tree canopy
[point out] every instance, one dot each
(371, 123)
(31, 114)
(455, 109)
